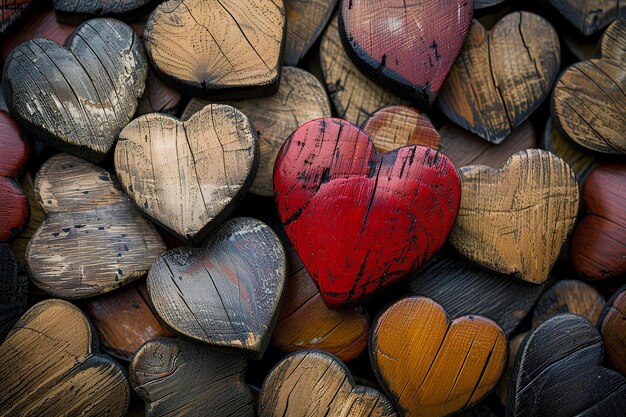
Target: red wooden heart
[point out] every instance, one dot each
(361, 220)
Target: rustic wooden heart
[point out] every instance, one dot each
(557, 373)
(408, 48)
(188, 176)
(612, 325)
(227, 293)
(313, 383)
(339, 200)
(175, 377)
(597, 249)
(613, 41)
(568, 296)
(591, 15)
(514, 220)
(439, 366)
(92, 239)
(305, 22)
(73, 11)
(13, 291)
(502, 76)
(48, 367)
(218, 48)
(86, 92)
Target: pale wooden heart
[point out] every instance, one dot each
(188, 176)
(305, 22)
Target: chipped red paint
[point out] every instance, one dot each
(361, 220)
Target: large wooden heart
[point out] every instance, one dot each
(188, 176)
(78, 97)
(361, 220)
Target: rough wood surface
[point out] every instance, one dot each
(11, 11)
(92, 239)
(502, 76)
(568, 296)
(612, 325)
(48, 367)
(175, 377)
(227, 293)
(158, 97)
(79, 97)
(514, 220)
(613, 41)
(305, 322)
(313, 383)
(431, 365)
(77, 11)
(188, 176)
(337, 199)
(13, 291)
(306, 20)
(21, 240)
(589, 16)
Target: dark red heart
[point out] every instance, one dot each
(361, 220)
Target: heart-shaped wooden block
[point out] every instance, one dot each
(227, 293)
(92, 239)
(568, 296)
(175, 377)
(502, 76)
(395, 126)
(557, 373)
(612, 325)
(514, 220)
(409, 48)
(86, 92)
(72, 11)
(431, 365)
(313, 383)
(188, 176)
(13, 291)
(48, 367)
(361, 220)
(305, 22)
(589, 16)
(218, 48)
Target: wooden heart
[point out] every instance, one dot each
(227, 293)
(557, 373)
(408, 48)
(305, 22)
(48, 367)
(613, 41)
(438, 366)
(597, 248)
(218, 48)
(612, 325)
(568, 296)
(313, 383)
(502, 76)
(188, 176)
(338, 200)
(13, 291)
(87, 91)
(20, 243)
(92, 239)
(591, 15)
(514, 220)
(175, 377)
(73, 11)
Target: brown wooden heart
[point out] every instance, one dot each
(612, 325)
(305, 22)
(48, 367)
(188, 176)
(589, 16)
(568, 296)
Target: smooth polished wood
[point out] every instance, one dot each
(568, 296)
(612, 326)
(13, 291)
(306, 20)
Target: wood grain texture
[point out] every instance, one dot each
(354, 96)
(300, 98)
(48, 367)
(11, 11)
(20, 242)
(158, 97)
(439, 366)
(188, 176)
(337, 199)
(503, 386)
(92, 239)
(77, 11)
(175, 377)
(589, 16)
(313, 383)
(557, 373)
(305, 322)
(598, 245)
(218, 48)
(13, 291)
(306, 20)
(568, 296)
(78, 97)
(226, 294)
(612, 326)
(514, 220)
(502, 76)
(613, 41)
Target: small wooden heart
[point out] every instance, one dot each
(612, 325)
(86, 92)
(591, 15)
(305, 22)
(502, 76)
(568, 296)
(313, 383)
(48, 367)
(72, 11)
(13, 291)
(437, 366)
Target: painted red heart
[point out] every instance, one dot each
(361, 220)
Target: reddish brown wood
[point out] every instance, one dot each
(612, 325)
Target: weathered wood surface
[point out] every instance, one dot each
(313, 383)
(337, 199)
(431, 365)
(613, 41)
(92, 239)
(13, 291)
(305, 322)
(568, 296)
(306, 20)
(158, 97)
(175, 377)
(11, 11)
(188, 176)
(48, 367)
(36, 215)
(502, 76)
(226, 294)
(106, 79)
(77, 11)
(503, 386)
(514, 220)
(589, 16)
(612, 325)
